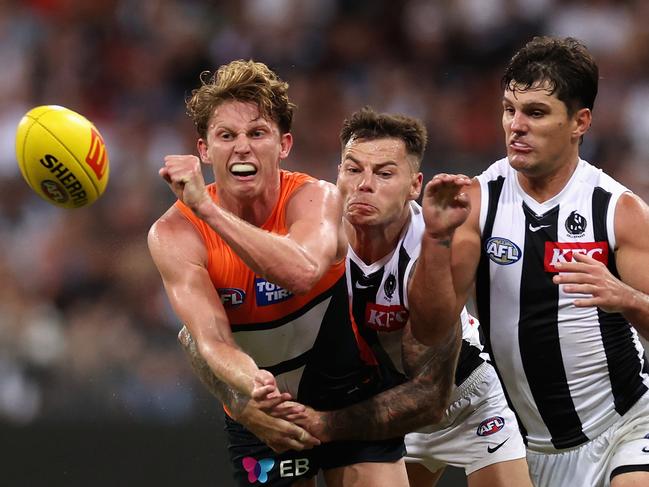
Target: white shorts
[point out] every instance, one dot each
(623, 446)
(478, 428)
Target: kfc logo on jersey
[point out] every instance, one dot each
(563, 252)
(502, 250)
(385, 318)
(268, 293)
(490, 426)
(231, 297)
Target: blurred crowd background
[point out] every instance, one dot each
(86, 332)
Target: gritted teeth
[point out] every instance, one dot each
(243, 169)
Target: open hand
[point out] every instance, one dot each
(445, 204)
(592, 278)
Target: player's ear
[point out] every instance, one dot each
(583, 119)
(286, 142)
(415, 185)
(201, 145)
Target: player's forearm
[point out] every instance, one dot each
(229, 364)
(276, 257)
(234, 400)
(637, 312)
(431, 292)
(419, 402)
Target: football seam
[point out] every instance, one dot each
(81, 164)
(23, 165)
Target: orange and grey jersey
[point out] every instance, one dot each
(569, 372)
(379, 294)
(309, 341)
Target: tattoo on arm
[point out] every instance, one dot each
(419, 402)
(234, 400)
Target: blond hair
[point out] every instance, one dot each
(246, 81)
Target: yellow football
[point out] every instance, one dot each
(62, 156)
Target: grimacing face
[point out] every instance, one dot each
(244, 149)
(540, 136)
(376, 180)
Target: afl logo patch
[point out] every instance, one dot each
(502, 250)
(576, 224)
(231, 297)
(490, 426)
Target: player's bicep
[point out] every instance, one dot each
(180, 257)
(632, 253)
(314, 219)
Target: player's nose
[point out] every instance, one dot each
(241, 144)
(366, 181)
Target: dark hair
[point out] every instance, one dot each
(564, 63)
(368, 124)
(246, 81)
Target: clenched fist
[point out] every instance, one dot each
(183, 173)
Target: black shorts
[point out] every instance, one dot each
(255, 463)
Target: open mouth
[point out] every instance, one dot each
(243, 169)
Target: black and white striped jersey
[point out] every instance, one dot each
(378, 293)
(568, 372)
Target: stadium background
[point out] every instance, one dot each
(93, 388)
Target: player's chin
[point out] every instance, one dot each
(518, 161)
(243, 187)
(360, 218)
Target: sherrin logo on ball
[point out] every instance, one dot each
(62, 156)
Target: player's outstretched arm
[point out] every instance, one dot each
(419, 402)
(295, 261)
(628, 295)
(181, 258)
(277, 433)
(450, 251)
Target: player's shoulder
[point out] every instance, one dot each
(498, 169)
(314, 190)
(632, 208)
(592, 176)
(172, 227)
(313, 185)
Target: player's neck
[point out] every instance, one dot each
(543, 187)
(373, 242)
(255, 210)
